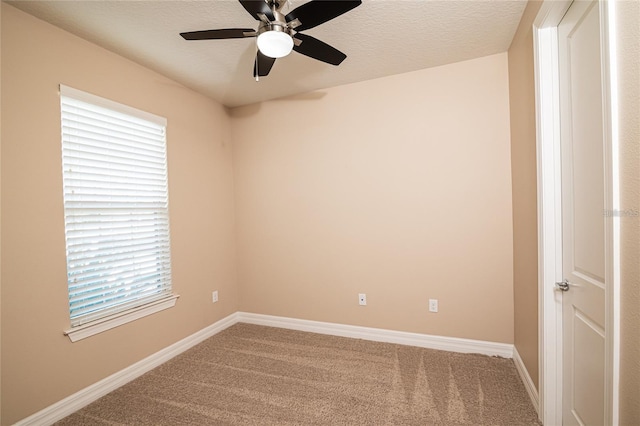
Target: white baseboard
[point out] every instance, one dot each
(526, 379)
(84, 397)
(452, 344)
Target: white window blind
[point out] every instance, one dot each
(115, 206)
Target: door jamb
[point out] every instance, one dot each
(545, 43)
(549, 210)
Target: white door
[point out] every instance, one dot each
(583, 216)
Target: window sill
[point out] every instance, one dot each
(95, 327)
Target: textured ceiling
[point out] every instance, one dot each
(380, 38)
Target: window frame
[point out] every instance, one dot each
(167, 298)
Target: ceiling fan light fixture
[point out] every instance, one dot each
(279, 34)
(275, 44)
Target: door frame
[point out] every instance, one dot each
(545, 39)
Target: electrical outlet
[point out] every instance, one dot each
(433, 305)
(214, 296)
(362, 299)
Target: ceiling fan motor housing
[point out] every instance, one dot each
(278, 24)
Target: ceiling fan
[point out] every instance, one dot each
(278, 34)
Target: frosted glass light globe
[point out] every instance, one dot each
(275, 44)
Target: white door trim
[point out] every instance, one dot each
(550, 215)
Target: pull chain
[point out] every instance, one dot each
(256, 65)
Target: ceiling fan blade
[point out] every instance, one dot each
(218, 34)
(263, 65)
(317, 12)
(254, 7)
(316, 49)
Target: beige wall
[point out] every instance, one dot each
(628, 38)
(397, 187)
(40, 365)
(524, 191)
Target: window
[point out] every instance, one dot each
(116, 212)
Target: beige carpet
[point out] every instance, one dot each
(251, 374)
